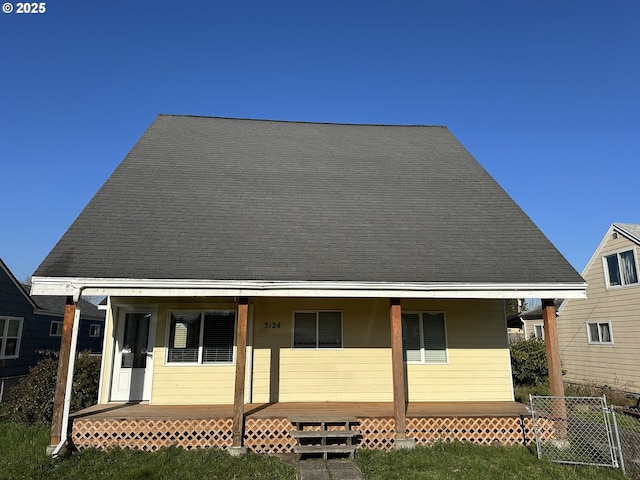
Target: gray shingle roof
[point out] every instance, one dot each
(231, 199)
(55, 305)
(631, 229)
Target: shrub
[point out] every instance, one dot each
(529, 362)
(31, 400)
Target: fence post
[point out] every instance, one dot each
(535, 425)
(617, 440)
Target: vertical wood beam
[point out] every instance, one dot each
(63, 371)
(552, 347)
(397, 366)
(241, 360)
(556, 387)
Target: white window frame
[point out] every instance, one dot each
(58, 330)
(317, 345)
(422, 360)
(199, 362)
(92, 330)
(599, 341)
(538, 332)
(605, 267)
(4, 337)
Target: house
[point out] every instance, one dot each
(32, 323)
(529, 323)
(258, 271)
(599, 337)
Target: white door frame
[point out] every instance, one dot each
(118, 336)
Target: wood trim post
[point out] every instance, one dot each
(397, 366)
(63, 372)
(556, 387)
(552, 348)
(241, 360)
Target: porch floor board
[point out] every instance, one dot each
(320, 410)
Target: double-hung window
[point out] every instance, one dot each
(56, 329)
(202, 337)
(10, 333)
(599, 332)
(538, 332)
(424, 337)
(322, 329)
(621, 268)
(94, 330)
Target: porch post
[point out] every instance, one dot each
(552, 348)
(397, 367)
(241, 360)
(556, 387)
(63, 372)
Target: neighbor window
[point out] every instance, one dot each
(56, 329)
(599, 332)
(202, 337)
(317, 329)
(10, 331)
(621, 269)
(94, 330)
(538, 332)
(424, 338)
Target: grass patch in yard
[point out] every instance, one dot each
(22, 456)
(467, 461)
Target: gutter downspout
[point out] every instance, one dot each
(72, 361)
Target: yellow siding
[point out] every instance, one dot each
(477, 369)
(478, 366)
(615, 365)
(189, 384)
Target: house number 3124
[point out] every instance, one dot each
(271, 324)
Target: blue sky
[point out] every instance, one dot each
(545, 95)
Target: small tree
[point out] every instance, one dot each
(529, 362)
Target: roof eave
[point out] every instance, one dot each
(240, 288)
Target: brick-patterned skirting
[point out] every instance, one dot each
(271, 435)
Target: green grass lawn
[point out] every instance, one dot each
(467, 461)
(22, 457)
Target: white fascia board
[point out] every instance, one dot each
(238, 288)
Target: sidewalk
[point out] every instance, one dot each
(317, 469)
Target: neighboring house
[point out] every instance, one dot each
(32, 323)
(529, 324)
(267, 264)
(600, 336)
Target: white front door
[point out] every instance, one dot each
(133, 356)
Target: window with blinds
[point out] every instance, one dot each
(202, 337)
(321, 329)
(218, 337)
(424, 338)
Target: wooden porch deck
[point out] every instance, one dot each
(122, 411)
(268, 426)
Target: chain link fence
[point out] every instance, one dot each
(626, 423)
(585, 431)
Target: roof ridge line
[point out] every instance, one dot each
(301, 121)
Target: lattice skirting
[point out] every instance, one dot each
(272, 435)
(147, 434)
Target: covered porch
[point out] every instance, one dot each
(267, 426)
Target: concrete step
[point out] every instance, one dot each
(323, 449)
